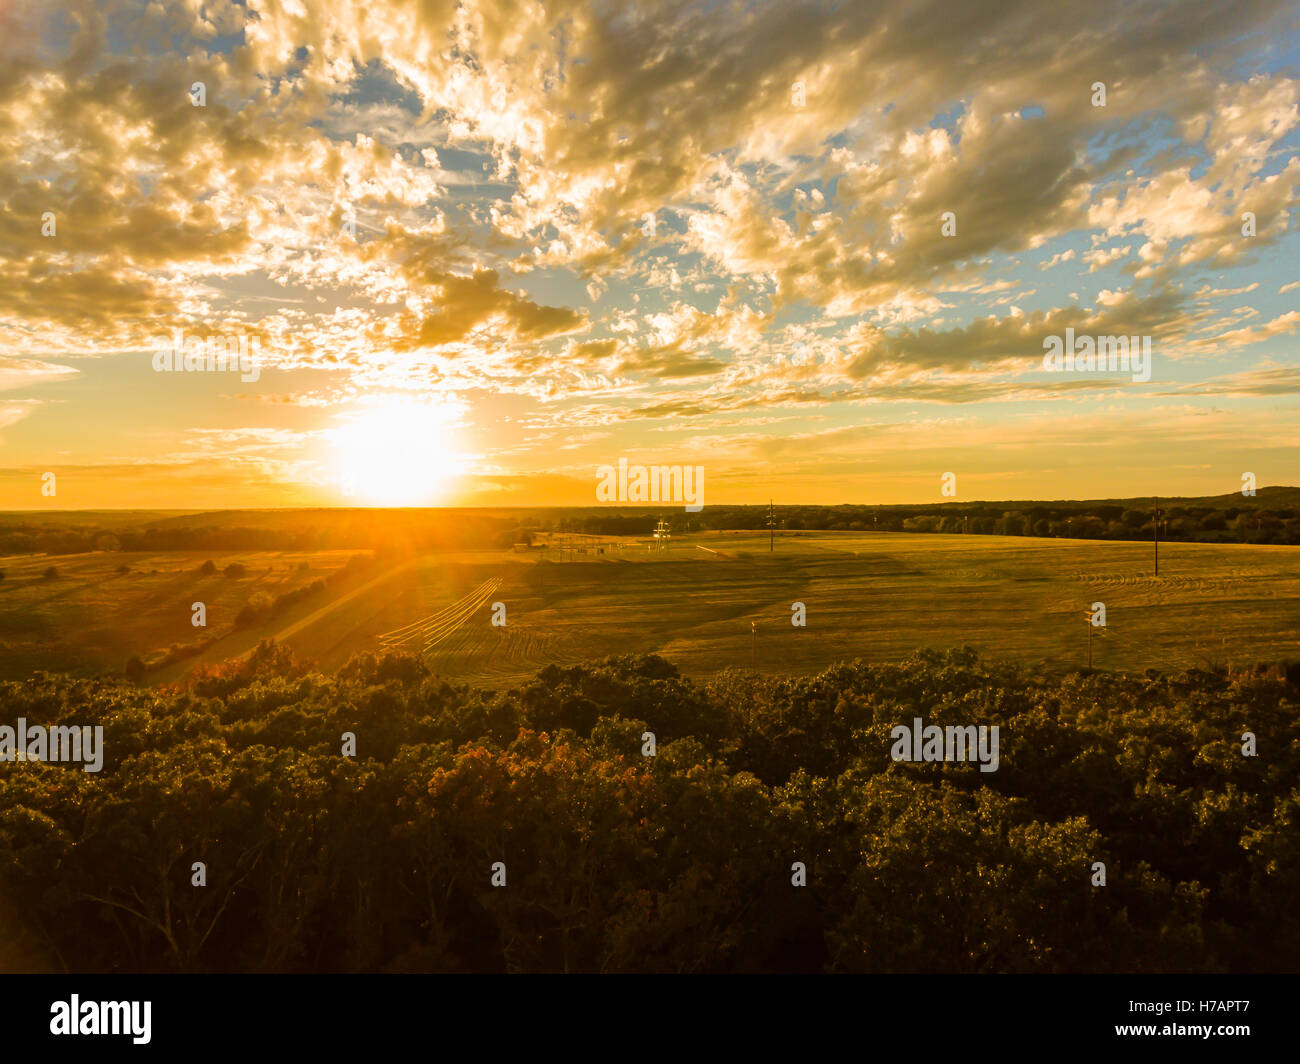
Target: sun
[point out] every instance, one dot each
(395, 454)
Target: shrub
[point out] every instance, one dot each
(179, 652)
(257, 609)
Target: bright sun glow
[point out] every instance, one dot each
(397, 454)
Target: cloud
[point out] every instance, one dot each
(450, 197)
(18, 373)
(1017, 341)
(1282, 325)
(465, 303)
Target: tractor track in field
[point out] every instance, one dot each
(499, 650)
(431, 631)
(1233, 580)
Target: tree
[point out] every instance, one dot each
(680, 861)
(1012, 523)
(257, 609)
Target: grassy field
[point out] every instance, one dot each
(870, 596)
(91, 617)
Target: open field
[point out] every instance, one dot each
(91, 617)
(872, 596)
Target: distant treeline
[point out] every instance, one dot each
(1271, 517)
(291, 531)
(680, 861)
(1198, 524)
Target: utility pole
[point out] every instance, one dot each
(753, 627)
(1155, 534)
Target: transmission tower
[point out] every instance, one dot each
(662, 535)
(771, 527)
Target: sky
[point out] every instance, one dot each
(476, 250)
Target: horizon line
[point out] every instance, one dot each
(621, 505)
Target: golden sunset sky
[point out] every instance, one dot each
(485, 248)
